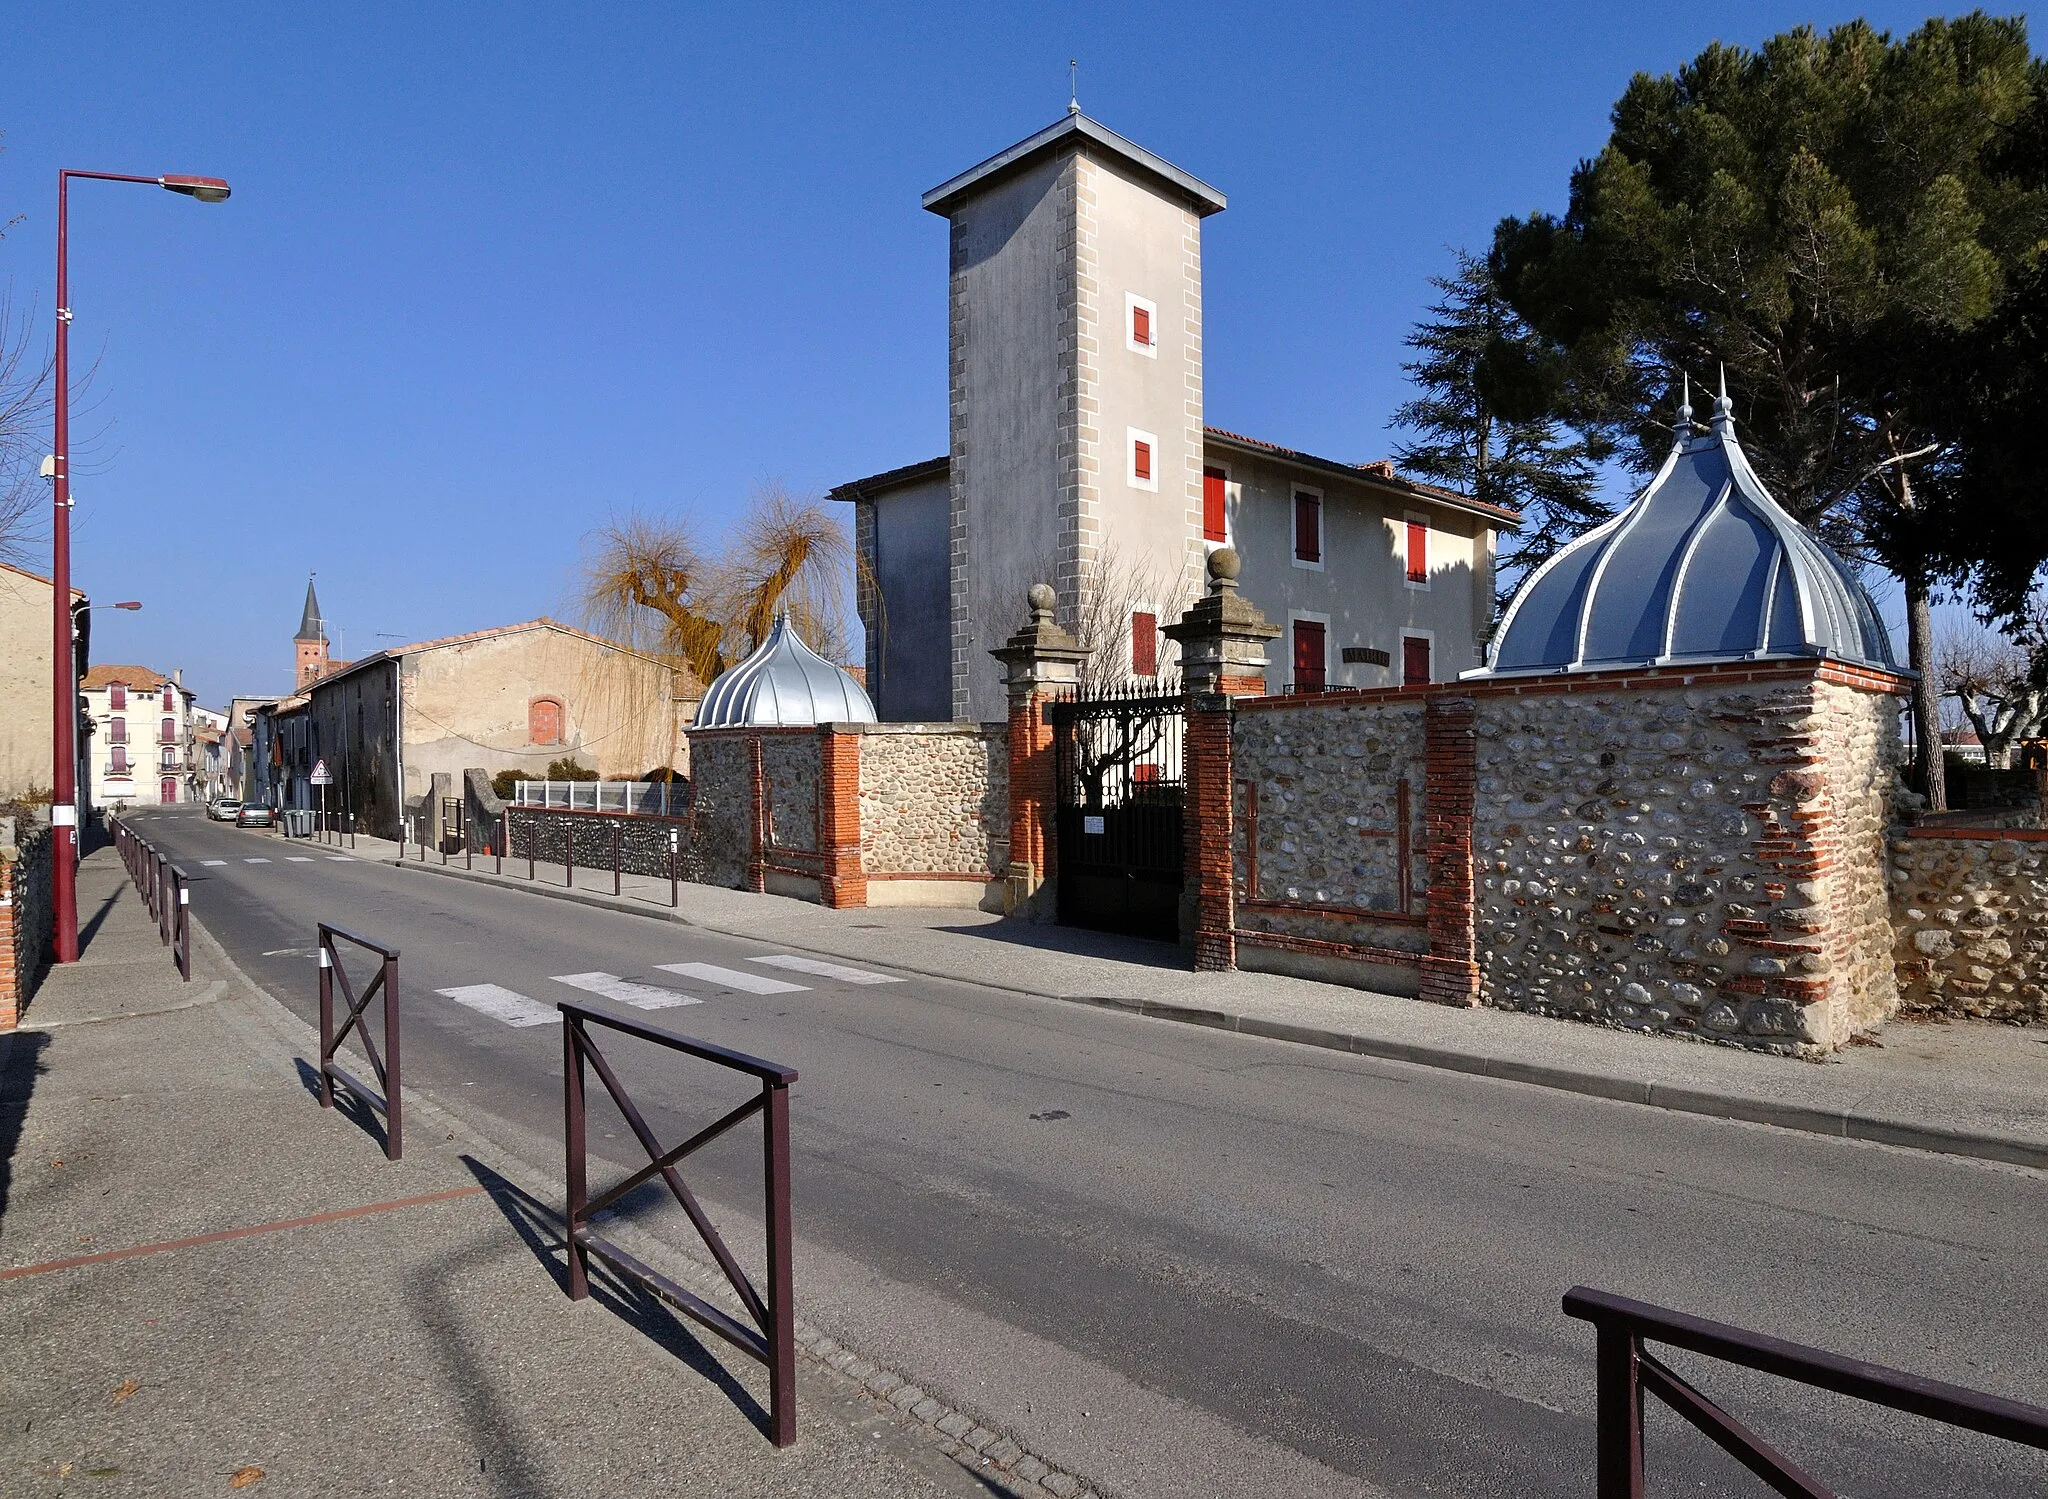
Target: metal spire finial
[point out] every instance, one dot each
(1073, 85)
(1724, 409)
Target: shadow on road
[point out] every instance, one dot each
(24, 1064)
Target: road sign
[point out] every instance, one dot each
(321, 775)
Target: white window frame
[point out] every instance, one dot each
(1230, 502)
(1132, 301)
(1321, 564)
(1310, 616)
(1132, 437)
(1416, 518)
(1399, 667)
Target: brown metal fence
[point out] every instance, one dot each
(165, 890)
(332, 976)
(772, 1338)
(1626, 1371)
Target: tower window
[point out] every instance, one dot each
(1141, 459)
(1141, 320)
(1143, 470)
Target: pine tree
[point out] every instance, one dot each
(1480, 424)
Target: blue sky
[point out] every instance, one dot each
(493, 272)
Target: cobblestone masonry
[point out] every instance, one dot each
(1320, 797)
(934, 799)
(643, 840)
(24, 916)
(1702, 859)
(1970, 913)
(789, 765)
(721, 772)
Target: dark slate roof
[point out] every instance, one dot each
(895, 478)
(1703, 566)
(311, 626)
(1076, 130)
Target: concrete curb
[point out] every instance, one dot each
(1845, 1124)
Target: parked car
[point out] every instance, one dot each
(252, 815)
(223, 808)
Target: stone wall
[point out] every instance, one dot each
(789, 775)
(722, 810)
(25, 915)
(1970, 913)
(934, 799)
(1699, 854)
(1328, 819)
(586, 838)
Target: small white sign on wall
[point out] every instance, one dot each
(1090, 824)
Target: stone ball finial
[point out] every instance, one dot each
(1224, 566)
(1042, 600)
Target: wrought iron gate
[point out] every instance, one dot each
(1117, 820)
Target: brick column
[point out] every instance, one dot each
(757, 818)
(1450, 970)
(1041, 663)
(13, 982)
(1222, 656)
(844, 882)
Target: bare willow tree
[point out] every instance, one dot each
(25, 390)
(2001, 685)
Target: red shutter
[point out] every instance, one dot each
(117, 731)
(1308, 528)
(1418, 553)
(1414, 660)
(170, 732)
(1141, 326)
(1310, 657)
(117, 696)
(117, 763)
(1141, 460)
(1145, 645)
(1214, 522)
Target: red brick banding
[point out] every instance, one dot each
(842, 882)
(1450, 972)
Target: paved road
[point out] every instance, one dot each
(1195, 1262)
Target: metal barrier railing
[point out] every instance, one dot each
(1625, 1371)
(165, 890)
(333, 974)
(772, 1338)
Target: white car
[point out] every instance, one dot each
(223, 808)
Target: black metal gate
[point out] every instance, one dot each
(1117, 769)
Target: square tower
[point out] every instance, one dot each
(1075, 342)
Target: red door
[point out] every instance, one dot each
(1414, 660)
(1310, 661)
(169, 788)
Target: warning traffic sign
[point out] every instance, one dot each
(321, 776)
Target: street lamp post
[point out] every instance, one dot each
(64, 724)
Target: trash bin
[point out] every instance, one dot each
(298, 822)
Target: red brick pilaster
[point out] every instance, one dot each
(12, 979)
(757, 818)
(844, 882)
(1450, 970)
(1031, 790)
(1208, 832)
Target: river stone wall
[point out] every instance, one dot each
(721, 776)
(789, 778)
(934, 799)
(1702, 859)
(1971, 916)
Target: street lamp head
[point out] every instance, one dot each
(205, 189)
(130, 604)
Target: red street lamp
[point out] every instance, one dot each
(64, 724)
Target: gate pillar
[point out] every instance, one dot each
(1041, 662)
(1222, 656)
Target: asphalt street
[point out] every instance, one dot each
(1198, 1262)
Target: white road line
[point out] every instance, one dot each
(502, 1004)
(341, 858)
(827, 970)
(732, 978)
(297, 859)
(212, 863)
(625, 991)
(255, 861)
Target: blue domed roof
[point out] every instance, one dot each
(1704, 566)
(785, 682)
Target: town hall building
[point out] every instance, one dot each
(1080, 456)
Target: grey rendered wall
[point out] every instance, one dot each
(908, 650)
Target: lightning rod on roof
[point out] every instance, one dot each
(1073, 85)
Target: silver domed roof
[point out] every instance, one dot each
(1704, 566)
(785, 682)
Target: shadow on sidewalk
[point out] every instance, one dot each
(540, 1227)
(346, 1104)
(17, 1081)
(1143, 951)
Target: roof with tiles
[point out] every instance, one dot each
(139, 677)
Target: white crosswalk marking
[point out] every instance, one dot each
(341, 858)
(502, 1004)
(826, 970)
(297, 859)
(212, 863)
(625, 991)
(732, 978)
(255, 861)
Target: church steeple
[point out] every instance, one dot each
(310, 644)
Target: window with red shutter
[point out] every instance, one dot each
(1141, 325)
(117, 731)
(1414, 660)
(117, 696)
(1141, 459)
(169, 705)
(1145, 645)
(1308, 527)
(170, 731)
(1418, 552)
(1310, 658)
(1214, 520)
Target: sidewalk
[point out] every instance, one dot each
(1968, 1088)
(334, 1323)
